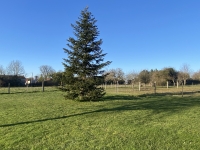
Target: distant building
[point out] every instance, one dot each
(30, 81)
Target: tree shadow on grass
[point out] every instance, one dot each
(166, 105)
(120, 97)
(159, 102)
(148, 95)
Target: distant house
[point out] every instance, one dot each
(30, 81)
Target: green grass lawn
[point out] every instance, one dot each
(31, 119)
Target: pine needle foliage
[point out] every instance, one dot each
(83, 67)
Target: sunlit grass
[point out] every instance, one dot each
(172, 90)
(32, 119)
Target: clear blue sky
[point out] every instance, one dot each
(137, 34)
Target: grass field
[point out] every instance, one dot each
(31, 119)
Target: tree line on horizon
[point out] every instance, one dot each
(15, 75)
(160, 77)
(145, 76)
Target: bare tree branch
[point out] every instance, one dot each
(2, 71)
(46, 71)
(15, 68)
(184, 73)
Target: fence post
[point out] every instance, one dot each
(43, 86)
(117, 86)
(182, 88)
(167, 84)
(154, 87)
(8, 88)
(133, 86)
(139, 86)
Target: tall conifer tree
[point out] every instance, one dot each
(83, 67)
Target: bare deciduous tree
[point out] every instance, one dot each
(184, 73)
(115, 75)
(2, 71)
(46, 71)
(196, 75)
(15, 68)
(119, 74)
(155, 76)
(131, 76)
